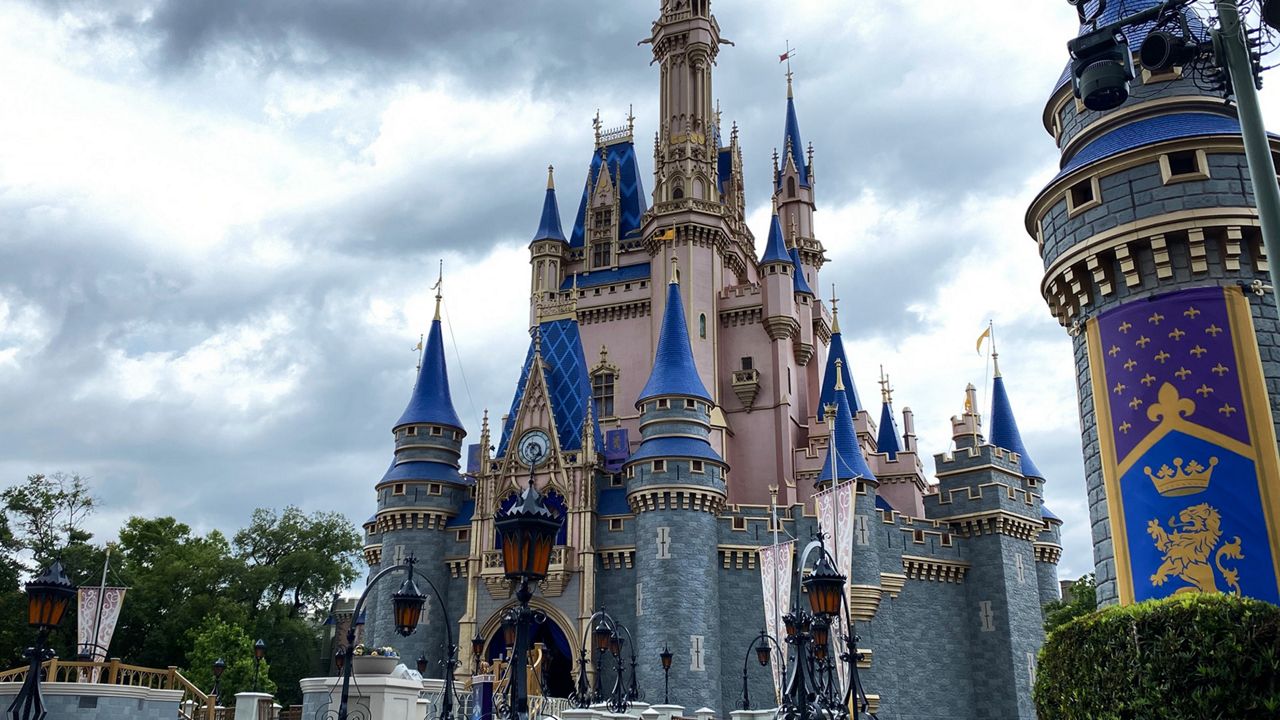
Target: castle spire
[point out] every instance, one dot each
(549, 225)
(848, 462)
(887, 438)
(431, 401)
(775, 249)
(674, 371)
(1004, 428)
(837, 370)
(799, 284)
(793, 147)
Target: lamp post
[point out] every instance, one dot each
(339, 659)
(665, 656)
(528, 531)
(47, 599)
(219, 666)
(406, 611)
(477, 649)
(259, 652)
(813, 688)
(422, 665)
(609, 635)
(759, 643)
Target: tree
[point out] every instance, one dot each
(48, 512)
(215, 638)
(296, 559)
(1082, 600)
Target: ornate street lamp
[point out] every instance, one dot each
(477, 649)
(760, 643)
(406, 611)
(219, 666)
(259, 652)
(47, 599)
(528, 531)
(610, 636)
(665, 656)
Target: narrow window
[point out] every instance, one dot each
(702, 326)
(690, 404)
(739, 523)
(615, 480)
(791, 187)
(677, 193)
(659, 465)
(398, 490)
(747, 363)
(601, 254)
(602, 384)
(464, 535)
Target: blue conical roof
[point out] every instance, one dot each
(775, 249)
(849, 462)
(792, 146)
(1004, 428)
(887, 439)
(674, 371)
(829, 379)
(549, 226)
(799, 284)
(431, 402)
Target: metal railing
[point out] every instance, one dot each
(194, 705)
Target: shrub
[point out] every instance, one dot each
(1191, 656)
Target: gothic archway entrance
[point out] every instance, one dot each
(557, 656)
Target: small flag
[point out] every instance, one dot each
(784, 56)
(668, 234)
(418, 347)
(985, 334)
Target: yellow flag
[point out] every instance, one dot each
(985, 334)
(668, 234)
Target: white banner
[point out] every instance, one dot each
(98, 613)
(775, 581)
(835, 519)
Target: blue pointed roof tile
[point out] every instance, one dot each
(549, 225)
(1004, 428)
(568, 384)
(799, 284)
(792, 145)
(849, 463)
(836, 352)
(775, 249)
(674, 371)
(887, 439)
(431, 401)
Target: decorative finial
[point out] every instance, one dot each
(597, 125)
(551, 177)
(436, 287)
(886, 391)
(604, 354)
(835, 311)
(675, 271)
(631, 119)
(839, 374)
(786, 57)
(995, 356)
(775, 205)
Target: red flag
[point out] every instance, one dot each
(784, 56)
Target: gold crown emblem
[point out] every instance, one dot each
(1179, 479)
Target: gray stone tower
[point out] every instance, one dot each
(988, 493)
(676, 488)
(417, 496)
(1152, 197)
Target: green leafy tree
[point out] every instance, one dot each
(1081, 600)
(48, 514)
(297, 560)
(217, 639)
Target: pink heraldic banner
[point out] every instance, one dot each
(775, 581)
(835, 520)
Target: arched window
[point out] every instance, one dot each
(702, 326)
(678, 192)
(791, 187)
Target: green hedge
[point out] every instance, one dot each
(1191, 656)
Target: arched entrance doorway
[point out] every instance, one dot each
(557, 656)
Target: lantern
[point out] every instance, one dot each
(477, 645)
(259, 649)
(528, 533)
(48, 597)
(615, 645)
(821, 633)
(665, 655)
(762, 651)
(509, 632)
(602, 634)
(406, 607)
(218, 666)
(789, 622)
(339, 658)
(825, 587)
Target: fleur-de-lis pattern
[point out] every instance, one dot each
(1193, 351)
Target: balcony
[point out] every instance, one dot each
(746, 385)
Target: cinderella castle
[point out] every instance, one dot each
(684, 396)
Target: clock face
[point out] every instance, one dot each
(534, 447)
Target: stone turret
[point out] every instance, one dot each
(417, 496)
(547, 251)
(676, 487)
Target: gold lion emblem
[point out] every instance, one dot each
(1187, 548)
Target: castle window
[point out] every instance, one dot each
(615, 524)
(1082, 196)
(410, 431)
(463, 535)
(435, 489)
(659, 465)
(917, 536)
(398, 489)
(437, 431)
(791, 187)
(702, 326)
(747, 363)
(601, 254)
(698, 466)
(946, 539)
(664, 404)
(677, 193)
(615, 480)
(1184, 165)
(690, 404)
(602, 384)
(739, 523)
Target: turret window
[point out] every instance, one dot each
(435, 489)
(702, 326)
(659, 466)
(664, 404)
(698, 466)
(690, 404)
(791, 187)
(398, 489)
(437, 431)
(602, 387)
(411, 431)
(601, 255)
(1184, 165)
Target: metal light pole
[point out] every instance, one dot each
(665, 656)
(219, 666)
(47, 599)
(259, 652)
(609, 635)
(760, 643)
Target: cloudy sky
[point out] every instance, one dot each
(219, 219)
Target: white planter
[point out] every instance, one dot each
(373, 664)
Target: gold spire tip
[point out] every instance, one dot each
(835, 311)
(437, 288)
(675, 272)
(839, 374)
(551, 177)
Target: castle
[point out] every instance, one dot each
(678, 403)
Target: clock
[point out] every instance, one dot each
(534, 447)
